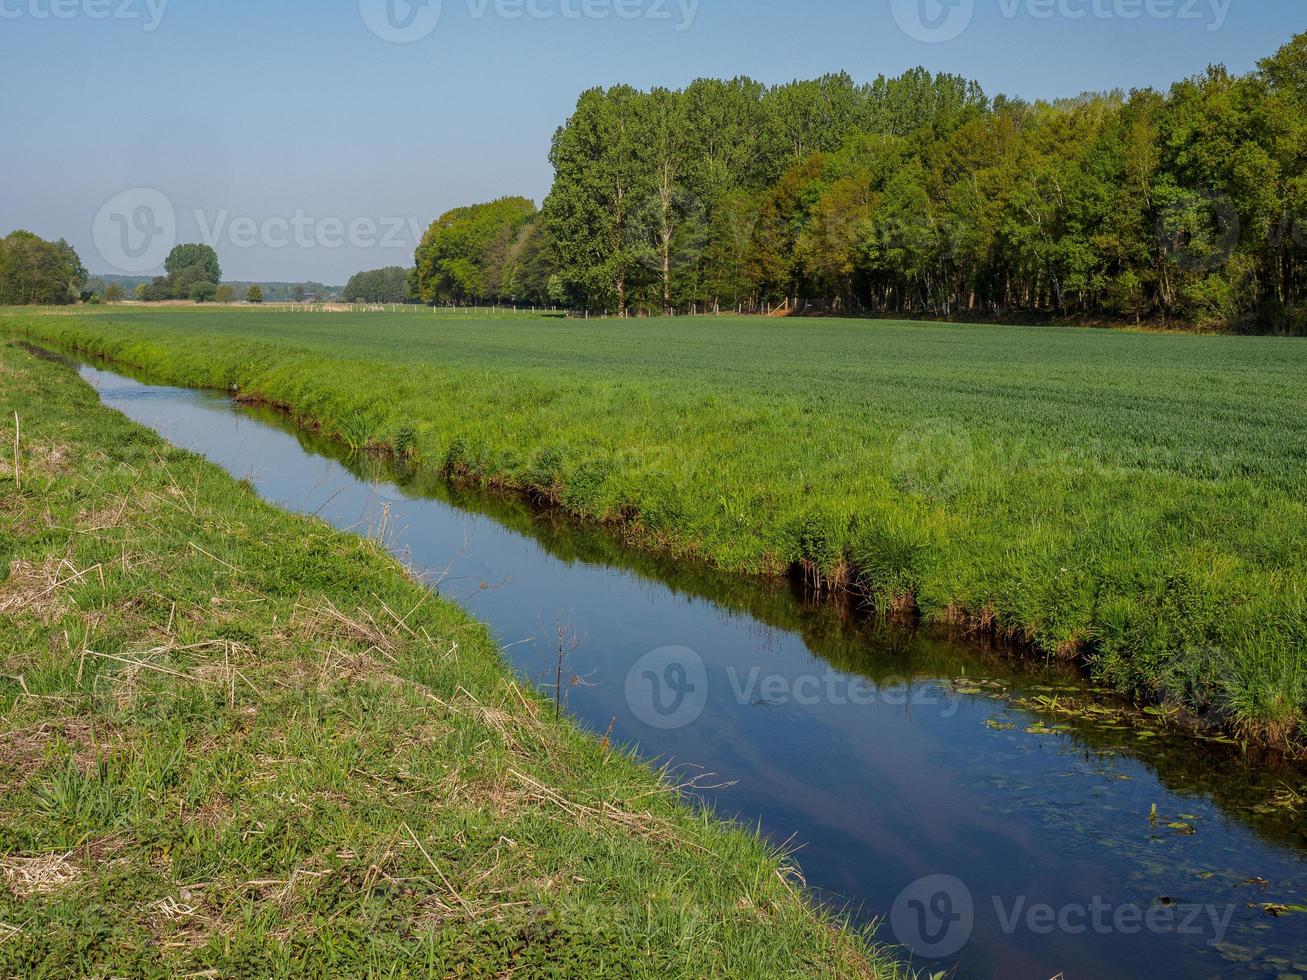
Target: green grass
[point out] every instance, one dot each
(235, 740)
(1135, 498)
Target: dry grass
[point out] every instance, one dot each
(214, 663)
(28, 876)
(38, 458)
(26, 751)
(33, 589)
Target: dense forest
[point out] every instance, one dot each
(916, 194)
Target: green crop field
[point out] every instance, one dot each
(1136, 498)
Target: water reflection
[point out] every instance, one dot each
(885, 756)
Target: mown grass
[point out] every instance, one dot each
(1134, 499)
(234, 740)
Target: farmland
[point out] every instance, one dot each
(1135, 499)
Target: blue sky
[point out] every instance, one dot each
(263, 123)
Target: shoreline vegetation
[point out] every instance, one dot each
(1160, 545)
(233, 739)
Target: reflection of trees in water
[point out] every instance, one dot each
(843, 635)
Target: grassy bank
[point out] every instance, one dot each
(234, 740)
(1136, 499)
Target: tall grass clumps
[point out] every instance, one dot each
(234, 742)
(1134, 500)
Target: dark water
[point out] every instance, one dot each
(895, 763)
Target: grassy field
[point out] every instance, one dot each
(1136, 498)
(233, 740)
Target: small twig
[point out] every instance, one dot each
(143, 664)
(18, 679)
(436, 868)
(214, 557)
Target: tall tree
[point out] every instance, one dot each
(36, 272)
(593, 210)
(190, 264)
(464, 254)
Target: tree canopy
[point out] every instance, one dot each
(202, 259)
(915, 194)
(34, 271)
(474, 254)
(388, 285)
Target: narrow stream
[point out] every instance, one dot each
(992, 839)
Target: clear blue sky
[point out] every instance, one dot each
(269, 109)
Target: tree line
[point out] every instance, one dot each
(908, 195)
(916, 194)
(34, 271)
(392, 284)
(192, 272)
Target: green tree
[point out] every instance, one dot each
(466, 253)
(36, 272)
(190, 264)
(388, 285)
(224, 294)
(529, 269)
(158, 289)
(254, 294)
(204, 292)
(113, 293)
(601, 176)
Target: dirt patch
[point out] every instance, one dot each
(24, 752)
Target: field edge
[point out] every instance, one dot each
(146, 771)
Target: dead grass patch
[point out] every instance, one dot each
(124, 684)
(326, 622)
(37, 458)
(530, 792)
(24, 752)
(32, 589)
(110, 516)
(28, 876)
